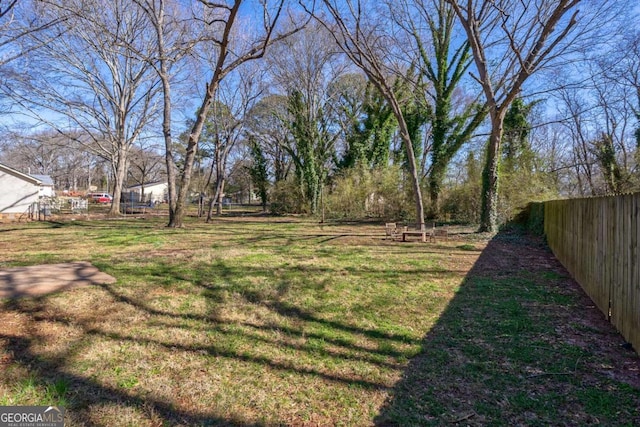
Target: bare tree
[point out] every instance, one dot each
(175, 38)
(19, 19)
(225, 126)
(615, 141)
(600, 116)
(266, 122)
(628, 71)
(365, 43)
(573, 110)
(510, 41)
(222, 20)
(145, 167)
(91, 80)
(47, 152)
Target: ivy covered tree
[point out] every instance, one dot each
(363, 41)
(368, 139)
(314, 143)
(605, 153)
(259, 172)
(443, 67)
(523, 179)
(516, 148)
(304, 68)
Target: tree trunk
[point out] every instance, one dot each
(192, 148)
(119, 174)
(216, 196)
(313, 187)
(435, 185)
(192, 144)
(212, 200)
(489, 213)
(413, 170)
(168, 141)
(220, 192)
(163, 74)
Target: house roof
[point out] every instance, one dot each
(20, 175)
(44, 179)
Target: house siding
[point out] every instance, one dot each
(16, 194)
(155, 192)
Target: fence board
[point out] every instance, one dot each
(635, 334)
(596, 239)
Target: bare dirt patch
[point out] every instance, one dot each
(36, 280)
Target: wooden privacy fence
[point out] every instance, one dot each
(596, 239)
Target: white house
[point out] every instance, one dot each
(156, 192)
(46, 185)
(19, 191)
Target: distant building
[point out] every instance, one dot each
(46, 186)
(20, 192)
(156, 192)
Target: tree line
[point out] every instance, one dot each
(399, 109)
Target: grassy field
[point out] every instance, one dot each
(281, 321)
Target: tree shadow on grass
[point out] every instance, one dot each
(520, 344)
(86, 391)
(291, 330)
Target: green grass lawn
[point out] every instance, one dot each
(281, 321)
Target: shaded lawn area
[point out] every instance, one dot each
(263, 321)
(520, 344)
